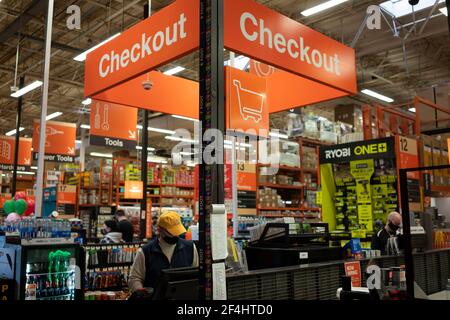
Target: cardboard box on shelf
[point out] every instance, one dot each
(426, 147)
(438, 174)
(444, 161)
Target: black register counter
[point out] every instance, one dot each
(320, 281)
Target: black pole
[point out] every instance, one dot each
(144, 156)
(211, 105)
(435, 110)
(16, 145)
(409, 261)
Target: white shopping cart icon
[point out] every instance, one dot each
(250, 103)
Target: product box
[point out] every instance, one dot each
(445, 161)
(426, 147)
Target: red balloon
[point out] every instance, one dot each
(20, 195)
(30, 207)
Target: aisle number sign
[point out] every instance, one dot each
(246, 176)
(113, 125)
(408, 155)
(59, 141)
(7, 150)
(134, 190)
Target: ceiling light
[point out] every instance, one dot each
(444, 11)
(402, 8)
(24, 172)
(240, 62)
(185, 153)
(157, 159)
(173, 71)
(377, 95)
(53, 115)
(78, 141)
(13, 132)
(101, 155)
(85, 126)
(172, 138)
(161, 130)
(33, 168)
(413, 110)
(278, 135)
(82, 56)
(26, 89)
(148, 148)
(322, 7)
(86, 102)
(237, 148)
(184, 118)
(139, 127)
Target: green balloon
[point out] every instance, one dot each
(21, 206)
(9, 206)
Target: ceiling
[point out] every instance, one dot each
(386, 64)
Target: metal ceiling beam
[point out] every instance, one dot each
(36, 7)
(56, 45)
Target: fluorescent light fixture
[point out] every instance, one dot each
(172, 138)
(240, 62)
(322, 7)
(139, 127)
(26, 89)
(86, 102)
(13, 132)
(161, 130)
(185, 153)
(413, 110)
(24, 172)
(278, 135)
(242, 144)
(78, 141)
(184, 118)
(444, 11)
(33, 168)
(85, 126)
(53, 115)
(101, 155)
(82, 56)
(173, 71)
(401, 8)
(237, 148)
(377, 95)
(157, 160)
(148, 148)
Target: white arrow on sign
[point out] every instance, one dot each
(71, 150)
(132, 134)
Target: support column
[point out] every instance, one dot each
(16, 142)
(43, 124)
(211, 177)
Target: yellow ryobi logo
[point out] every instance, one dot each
(371, 149)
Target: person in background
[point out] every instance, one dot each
(125, 226)
(388, 240)
(154, 226)
(167, 251)
(110, 230)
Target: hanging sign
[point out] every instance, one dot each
(59, 141)
(408, 155)
(7, 149)
(246, 176)
(155, 41)
(368, 149)
(256, 31)
(134, 190)
(113, 125)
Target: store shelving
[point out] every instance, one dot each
(280, 186)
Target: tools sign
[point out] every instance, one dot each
(113, 125)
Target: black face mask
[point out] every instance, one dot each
(393, 227)
(104, 232)
(171, 240)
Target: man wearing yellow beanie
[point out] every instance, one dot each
(167, 251)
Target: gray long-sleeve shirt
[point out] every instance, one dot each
(137, 273)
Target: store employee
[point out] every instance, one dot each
(388, 240)
(167, 251)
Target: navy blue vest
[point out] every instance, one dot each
(156, 260)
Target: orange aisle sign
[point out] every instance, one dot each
(246, 177)
(169, 94)
(159, 39)
(59, 141)
(408, 155)
(134, 190)
(67, 194)
(448, 142)
(286, 90)
(113, 125)
(353, 270)
(256, 31)
(7, 148)
(246, 102)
